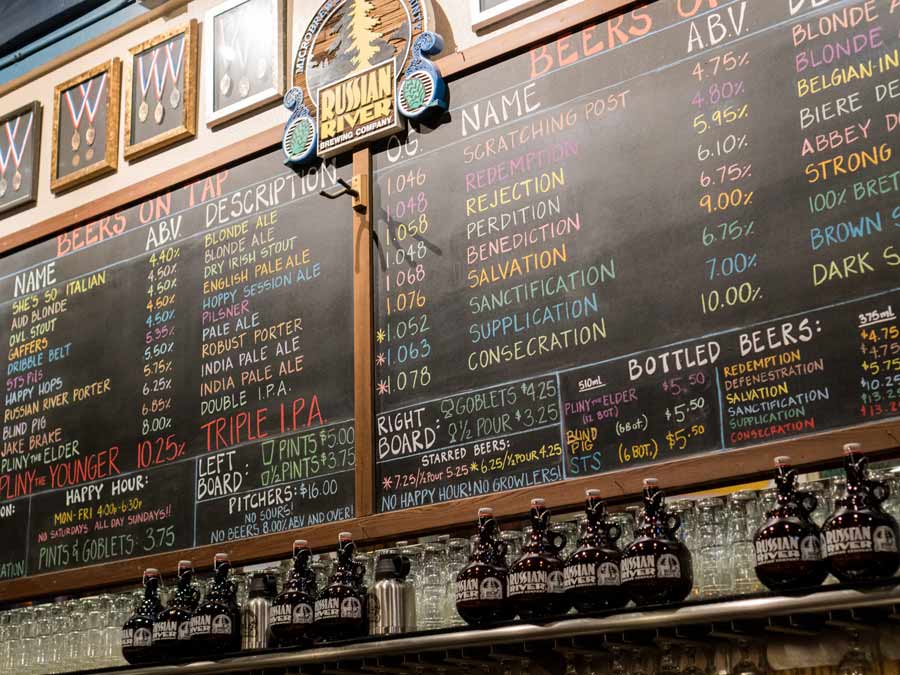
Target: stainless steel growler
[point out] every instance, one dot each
(392, 600)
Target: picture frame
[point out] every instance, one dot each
(94, 93)
(243, 58)
(487, 12)
(20, 150)
(170, 59)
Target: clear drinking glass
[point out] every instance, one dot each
(28, 643)
(715, 569)
(892, 503)
(321, 565)
(768, 500)
(367, 560)
(432, 584)
(18, 661)
(457, 559)
(77, 650)
(514, 540)
(740, 542)
(414, 552)
(43, 646)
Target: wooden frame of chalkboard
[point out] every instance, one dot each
(819, 450)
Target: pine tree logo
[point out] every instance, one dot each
(359, 44)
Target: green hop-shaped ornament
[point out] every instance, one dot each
(414, 92)
(300, 137)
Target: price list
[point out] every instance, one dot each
(180, 372)
(677, 217)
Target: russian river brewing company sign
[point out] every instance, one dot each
(361, 69)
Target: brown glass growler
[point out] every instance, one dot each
(172, 628)
(216, 623)
(137, 633)
(788, 547)
(294, 608)
(592, 572)
(536, 588)
(657, 567)
(341, 610)
(481, 585)
(860, 539)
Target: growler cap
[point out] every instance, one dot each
(783, 460)
(151, 572)
(184, 565)
(300, 543)
(592, 493)
(851, 448)
(345, 536)
(220, 558)
(538, 502)
(485, 511)
(651, 482)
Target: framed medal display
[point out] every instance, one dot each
(86, 126)
(161, 92)
(20, 148)
(243, 57)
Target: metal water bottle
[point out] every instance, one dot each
(392, 600)
(256, 619)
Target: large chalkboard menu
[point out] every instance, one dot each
(179, 373)
(670, 233)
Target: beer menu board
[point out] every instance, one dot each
(180, 373)
(670, 233)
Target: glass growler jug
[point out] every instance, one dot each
(137, 633)
(787, 547)
(481, 585)
(536, 587)
(860, 539)
(216, 623)
(592, 573)
(294, 608)
(657, 567)
(172, 628)
(341, 610)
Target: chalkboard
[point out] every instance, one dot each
(180, 373)
(671, 233)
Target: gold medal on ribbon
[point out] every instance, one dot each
(17, 181)
(175, 99)
(244, 86)
(90, 135)
(76, 141)
(2, 187)
(143, 111)
(159, 112)
(225, 85)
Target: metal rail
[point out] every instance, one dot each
(749, 609)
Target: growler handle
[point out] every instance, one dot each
(808, 502)
(879, 490)
(501, 548)
(613, 532)
(673, 523)
(558, 541)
